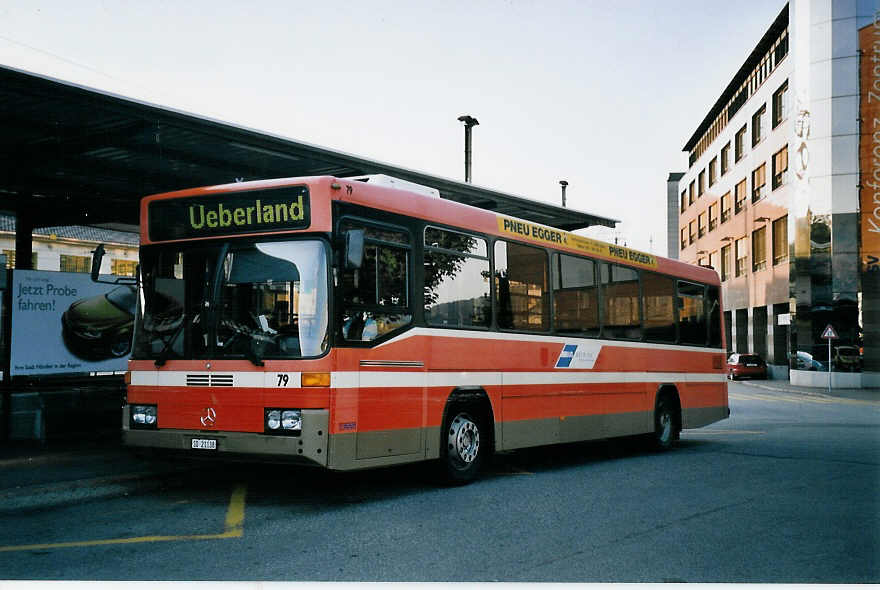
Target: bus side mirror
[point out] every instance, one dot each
(97, 258)
(354, 248)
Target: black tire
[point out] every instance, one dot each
(464, 445)
(667, 424)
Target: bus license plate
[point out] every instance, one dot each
(204, 443)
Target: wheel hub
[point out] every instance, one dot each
(464, 439)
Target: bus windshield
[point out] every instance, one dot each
(239, 299)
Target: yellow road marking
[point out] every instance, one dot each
(233, 527)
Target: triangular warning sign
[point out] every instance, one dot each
(829, 333)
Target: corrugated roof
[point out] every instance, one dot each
(76, 156)
(77, 232)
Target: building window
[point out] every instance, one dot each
(713, 171)
(701, 184)
(739, 144)
(759, 181)
(691, 193)
(780, 104)
(725, 262)
(780, 240)
(10, 259)
(739, 201)
(123, 268)
(741, 254)
(684, 238)
(725, 159)
(780, 167)
(684, 203)
(701, 224)
(725, 207)
(757, 129)
(691, 232)
(759, 249)
(713, 259)
(713, 216)
(71, 263)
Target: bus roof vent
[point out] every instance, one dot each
(398, 183)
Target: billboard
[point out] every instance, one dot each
(869, 146)
(62, 322)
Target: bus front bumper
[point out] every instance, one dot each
(309, 447)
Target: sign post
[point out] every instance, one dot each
(829, 334)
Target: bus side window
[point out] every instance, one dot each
(713, 303)
(522, 282)
(620, 302)
(692, 314)
(376, 296)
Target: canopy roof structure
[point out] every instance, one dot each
(71, 155)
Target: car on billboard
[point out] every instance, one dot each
(100, 327)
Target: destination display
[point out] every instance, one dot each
(225, 214)
(555, 237)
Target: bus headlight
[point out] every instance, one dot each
(283, 421)
(291, 420)
(144, 416)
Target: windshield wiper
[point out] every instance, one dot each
(166, 350)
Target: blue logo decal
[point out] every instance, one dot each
(566, 356)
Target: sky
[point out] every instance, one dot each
(602, 94)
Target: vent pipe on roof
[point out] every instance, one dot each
(469, 122)
(563, 184)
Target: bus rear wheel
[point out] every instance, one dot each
(666, 424)
(464, 446)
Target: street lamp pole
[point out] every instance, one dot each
(469, 122)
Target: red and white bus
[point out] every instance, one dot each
(349, 325)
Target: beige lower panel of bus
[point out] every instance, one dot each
(311, 445)
(548, 431)
(344, 448)
(696, 417)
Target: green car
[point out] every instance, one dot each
(100, 327)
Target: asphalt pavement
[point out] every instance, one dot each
(34, 476)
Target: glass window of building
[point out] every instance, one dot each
(757, 125)
(692, 193)
(759, 249)
(725, 159)
(713, 215)
(780, 240)
(780, 167)
(701, 224)
(780, 104)
(701, 183)
(70, 263)
(725, 207)
(725, 262)
(759, 182)
(684, 203)
(692, 233)
(740, 252)
(739, 144)
(713, 170)
(123, 268)
(739, 193)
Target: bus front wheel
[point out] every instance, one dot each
(464, 446)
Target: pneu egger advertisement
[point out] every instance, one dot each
(62, 322)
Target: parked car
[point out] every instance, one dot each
(100, 327)
(806, 362)
(746, 365)
(846, 358)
